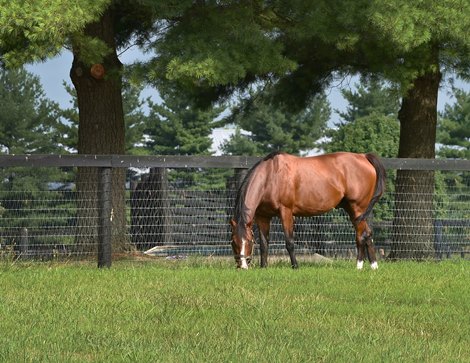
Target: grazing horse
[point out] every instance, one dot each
(286, 186)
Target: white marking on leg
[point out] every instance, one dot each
(243, 263)
(374, 265)
(360, 265)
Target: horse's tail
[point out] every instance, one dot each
(379, 184)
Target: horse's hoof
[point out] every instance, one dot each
(374, 265)
(360, 265)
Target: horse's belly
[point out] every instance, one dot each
(308, 211)
(315, 203)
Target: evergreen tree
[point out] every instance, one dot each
(29, 123)
(95, 30)
(240, 143)
(454, 138)
(302, 44)
(28, 120)
(369, 123)
(371, 96)
(271, 127)
(454, 127)
(178, 127)
(35, 30)
(374, 133)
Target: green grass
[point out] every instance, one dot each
(187, 311)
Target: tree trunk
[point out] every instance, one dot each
(101, 131)
(413, 235)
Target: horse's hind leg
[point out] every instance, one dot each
(365, 243)
(287, 220)
(263, 226)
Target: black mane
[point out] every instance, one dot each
(239, 216)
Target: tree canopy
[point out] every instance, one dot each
(29, 122)
(369, 123)
(177, 127)
(454, 127)
(270, 127)
(36, 30)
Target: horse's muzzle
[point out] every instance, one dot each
(243, 262)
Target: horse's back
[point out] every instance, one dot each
(316, 184)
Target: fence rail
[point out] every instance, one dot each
(176, 161)
(178, 205)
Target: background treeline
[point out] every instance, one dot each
(32, 123)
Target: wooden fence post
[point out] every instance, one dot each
(105, 218)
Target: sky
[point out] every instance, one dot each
(54, 72)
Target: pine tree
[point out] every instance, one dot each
(369, 123)
(301, 46)
(178, 127)
(270, 127)
(32, 31)
(29, 123)
(454, 139)
(454, 128)
(28, 120)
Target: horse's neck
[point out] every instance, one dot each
(253, 196)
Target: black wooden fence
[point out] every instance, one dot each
(167, 218)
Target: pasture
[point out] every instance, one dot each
(207, 311)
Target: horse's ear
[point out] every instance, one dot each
(233, 223)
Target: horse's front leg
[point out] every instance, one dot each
(287, 220)
(263, 226)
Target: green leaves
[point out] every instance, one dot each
(219, 45)
(370, 121)
(205, 70)
(454, 128)
(35, 30)
(28, 121)
(272, 128)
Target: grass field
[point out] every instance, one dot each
(195, 311)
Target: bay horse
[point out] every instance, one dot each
(285, 185)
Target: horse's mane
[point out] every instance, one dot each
(239, 216)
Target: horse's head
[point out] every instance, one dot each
(242, 244)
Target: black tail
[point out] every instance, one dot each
(379, 185)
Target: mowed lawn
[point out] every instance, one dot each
(197, 311)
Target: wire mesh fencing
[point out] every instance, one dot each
(54, 213)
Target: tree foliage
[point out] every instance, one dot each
(300, 43)
(369, 123)
(177, 127)
(29, 122)
(36, 30)
(372, 133)
(454, 139)
(371, 95)
(135, 119)
(454, 127)
(271, 127)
